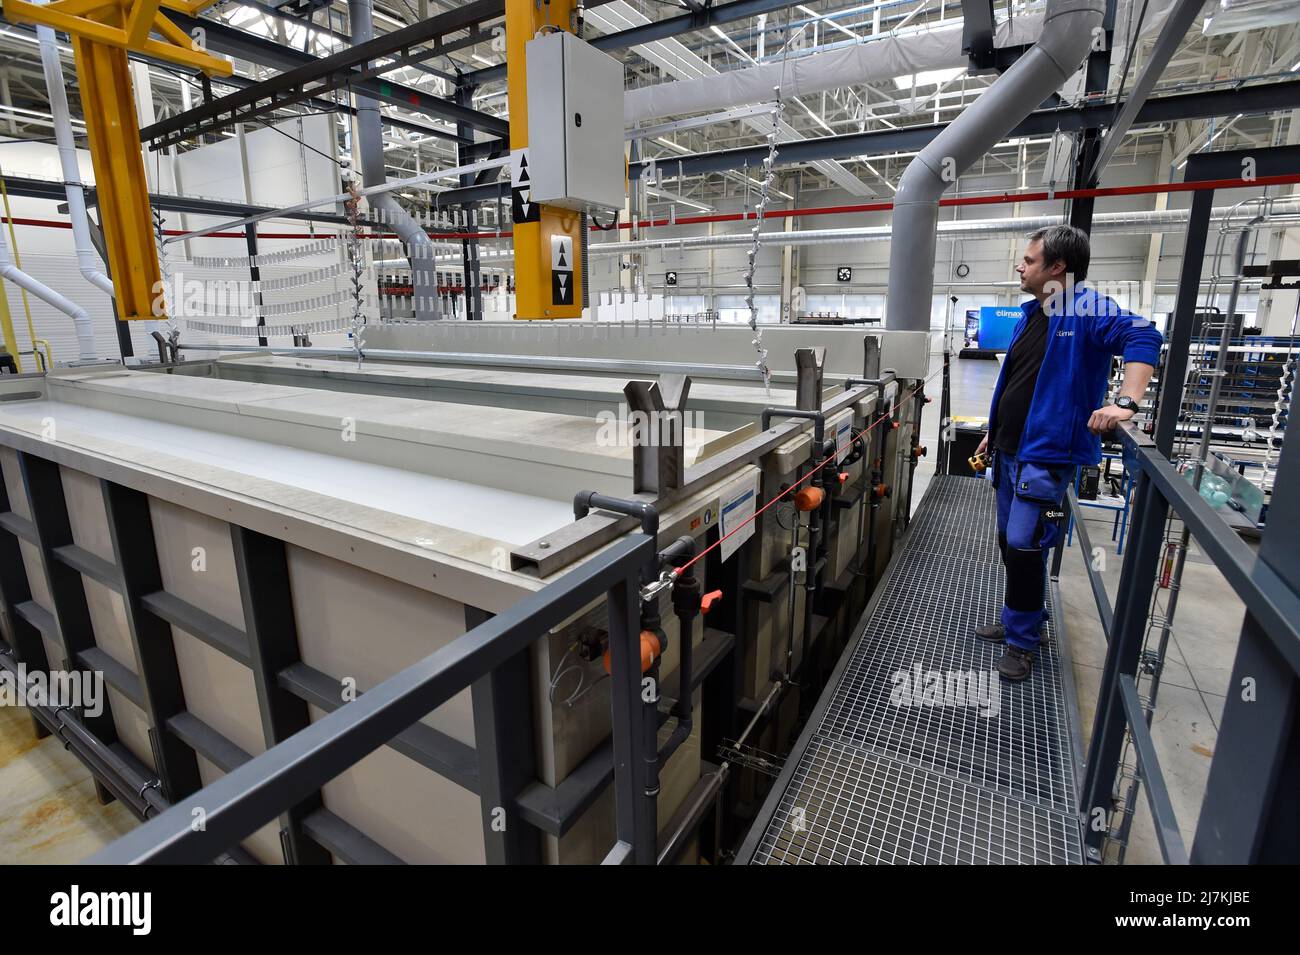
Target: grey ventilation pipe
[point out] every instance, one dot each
(370, 144)
(1067, 36)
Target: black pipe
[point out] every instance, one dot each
(919, 397)
(886, 377)
(138, 793)
(644, 511)
(584, 501)
(817, 417)
(650, 739)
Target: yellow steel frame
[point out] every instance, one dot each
(532, 240)
(125, 25)
(102, 32)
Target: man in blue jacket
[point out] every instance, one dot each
(1045, 418)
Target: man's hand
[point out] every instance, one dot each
(984, 445)
(1107, 419)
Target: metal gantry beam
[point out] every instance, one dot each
(1172, 32)
(351, 67)
(49, 189)
(696, 20)
(1263, 98)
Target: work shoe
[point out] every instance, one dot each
(1016, 664)
(992, 632)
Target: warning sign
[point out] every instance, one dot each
(561, 253)
(561, 288)
(522, 207)
(561, 270)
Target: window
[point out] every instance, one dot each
(732, 308)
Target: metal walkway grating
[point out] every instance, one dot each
(848, 806)
(882, 782)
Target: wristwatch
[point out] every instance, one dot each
(1127, 403)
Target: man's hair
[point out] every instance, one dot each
(1068, 244)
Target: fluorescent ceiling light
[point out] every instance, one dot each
(928, 77)
(817, 119)
(732, 43)
(668, 142)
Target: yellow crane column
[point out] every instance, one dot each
(537, 294)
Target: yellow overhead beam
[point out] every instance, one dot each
(125, 25)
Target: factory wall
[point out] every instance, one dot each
(281, 171)
(714, 279)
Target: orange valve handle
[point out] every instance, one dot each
(650, 651)
(843, 476)
(919, 451)
(809, 498)
(881, 490)
(709, 599)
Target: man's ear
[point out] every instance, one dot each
(1057, 269)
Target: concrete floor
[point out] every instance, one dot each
(49, 813)
(1201, 648)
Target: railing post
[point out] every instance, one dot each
(503, 740)
(1249, 815)
(1132, 606)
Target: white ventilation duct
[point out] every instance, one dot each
(87, 260)
(80, 319)
(1066, 39)
(872, 59)
(878, 58)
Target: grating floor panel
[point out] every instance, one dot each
(1016, 742)
(847, 806)
(1001, 764)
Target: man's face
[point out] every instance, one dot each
(1034, 273)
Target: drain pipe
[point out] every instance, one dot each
(1068, 29)
(80, 318)
(86, 258)
(370, 144)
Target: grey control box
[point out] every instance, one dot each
(575, 124)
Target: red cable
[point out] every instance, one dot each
(686, 566)
(998, 199)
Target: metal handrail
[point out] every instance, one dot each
(1267, 597)
(253, 794)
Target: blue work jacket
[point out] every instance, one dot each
(1085, 330)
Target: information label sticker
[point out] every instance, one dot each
(842, 436)
(737, 502)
